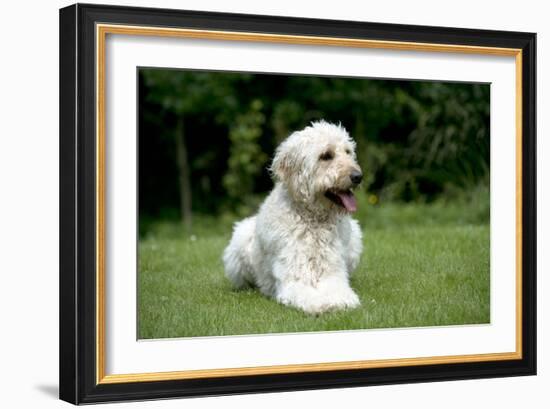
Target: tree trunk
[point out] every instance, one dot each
(184, 175)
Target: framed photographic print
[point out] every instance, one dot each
(258, 203)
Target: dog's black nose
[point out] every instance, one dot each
(356, 177)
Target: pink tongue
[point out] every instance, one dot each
(348, 200)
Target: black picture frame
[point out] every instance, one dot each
(78, 236)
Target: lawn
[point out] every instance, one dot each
(422, 265)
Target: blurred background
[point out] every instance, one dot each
(206, 140)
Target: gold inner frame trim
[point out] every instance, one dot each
(101, 33)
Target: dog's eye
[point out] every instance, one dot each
(328, 155)
(348, 151)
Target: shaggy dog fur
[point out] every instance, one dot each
(302, 245)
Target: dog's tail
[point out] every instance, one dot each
(238, 255)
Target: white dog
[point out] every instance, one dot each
(302, 245)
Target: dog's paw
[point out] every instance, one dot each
(333, 302)
(344, 300)
(352, 300)
(328, 296)
(338, 295)
(313, 303)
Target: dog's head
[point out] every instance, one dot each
(319, 167)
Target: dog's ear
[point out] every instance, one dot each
(281, 166)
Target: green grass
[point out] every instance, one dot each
(422, 265)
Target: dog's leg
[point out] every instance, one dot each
(238, 257)
(354, 246)
(328, 293)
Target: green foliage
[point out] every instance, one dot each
(462, 208)
(417, 141)
(450, 142)
(192, 92)
(246, 158)
(445, 147)
(287, 117)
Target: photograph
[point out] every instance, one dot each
(274, 203)
(263, 203)
(286, 204)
